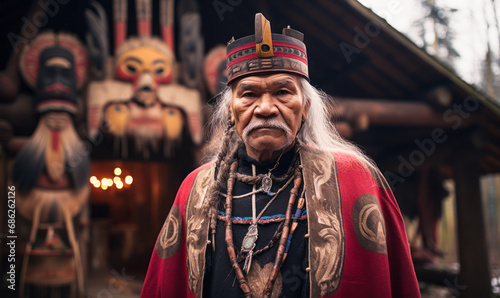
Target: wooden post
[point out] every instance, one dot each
(474, 278)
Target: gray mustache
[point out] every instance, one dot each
(272, 123)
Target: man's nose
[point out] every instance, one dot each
(266, 106)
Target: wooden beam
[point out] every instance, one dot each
(405, 161)
(487, 167)
(400, 112)
(437, 151)
(493, 149)
(344, 129)
(474, 277)
(492, 161)
(440, 95)
(492, 129)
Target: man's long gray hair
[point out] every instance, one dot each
(318, 130)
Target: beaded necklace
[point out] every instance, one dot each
(297, 180)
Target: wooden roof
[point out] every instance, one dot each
(390, 66)
(387, 70)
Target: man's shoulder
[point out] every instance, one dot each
(191, 177)
(187, 184)
(348, 161)
(203, 167)
(352, 166)
(340, 158)
(341, 161)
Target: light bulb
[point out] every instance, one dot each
(119, 185)
(118, 171)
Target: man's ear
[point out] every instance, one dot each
(306, 111)
(231, 113)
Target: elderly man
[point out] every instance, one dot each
(287, 208)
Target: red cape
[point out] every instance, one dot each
(374, 255)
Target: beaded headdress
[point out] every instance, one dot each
(266, 52)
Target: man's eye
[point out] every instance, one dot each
(282, 92)
(249, 94)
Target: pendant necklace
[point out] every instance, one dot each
(297, 181)
(250, 239)
(267, 182)
(249, 242)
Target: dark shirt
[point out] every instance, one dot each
(220, 279)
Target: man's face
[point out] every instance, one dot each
(267, 111)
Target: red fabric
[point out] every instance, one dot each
(365, 273)
(168, 277)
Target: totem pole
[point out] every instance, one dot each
(136, 96)
(214, 69)
(52, 169)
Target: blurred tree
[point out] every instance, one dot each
(495, 17)
(435, 31)
(491, 82)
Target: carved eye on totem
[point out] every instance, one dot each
(159, 71)
(131, 69)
